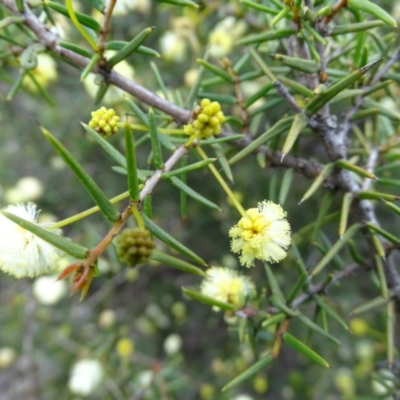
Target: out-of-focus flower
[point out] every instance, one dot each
(27, 188)
(7, 357)
(260, 384)
(263, 234)
(122, 7)
(224, 35)
(344, 381)
(85, 376)
(172, 344)
(173, 47)
(227, 285)
(243, 397)
(114, 94)
(48, 291)
(359, 327)
(21, 252)
(44, 73)
(207, 391)
(145, 378)
(107, 319)
(125, 347)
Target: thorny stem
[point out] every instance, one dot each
(105, 26)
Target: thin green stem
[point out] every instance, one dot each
(88, 212)
(223, 184)
(78, 25)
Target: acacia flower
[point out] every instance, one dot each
(227, 285)
(263, 234)
(86, 376)
(21, 252)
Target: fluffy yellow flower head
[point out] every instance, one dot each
(227, 285)
(21, 252)
(263, 234)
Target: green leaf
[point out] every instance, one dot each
(300, 347)
(89, 67)
(249, 372)
(318, 181)
(98, 5)
(320, 100)
(106, 145)
(64, 244)
(138, 112)
(392, 207)
(377, 196)
(335, 249)
(75, 48)
(130, 47)
(355, 168)
(329, 310)
(176, 263)
(266, 36)
(260, 7)
(345, 211)
(160, 80)
(106, 207)
(215, 70)
(155, 142)
(208, 300)
(170, 241)
(299, 64)
(286, 184)
(372, 9)
(383, 233)
(180, 3)
(273, 283)
(274, 320)
(187, 168)
(316, 328)
(257, 95)
(295, 86)
(84, 19)
(117, 45)
(382, 276)
(192, 193)
(369, 305)
(356, 27)
(277, 129)
(131, 167)
(300, 121)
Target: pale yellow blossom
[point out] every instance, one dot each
(21, 252)
(263, 234)
(227, 285)
(44, 73)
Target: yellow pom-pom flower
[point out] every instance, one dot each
(227, 285)
(104, 121)
(22, 253)
(263, 234)
(206, 120)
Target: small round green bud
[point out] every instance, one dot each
(134, 246)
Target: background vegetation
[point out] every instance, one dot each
(152, 341)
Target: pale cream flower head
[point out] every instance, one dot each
(21, 252)
(227, 285)
(263, 234)
(48, 290)
(44, 73)
(86, 376)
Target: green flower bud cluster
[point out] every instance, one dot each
(134, 246)
(206, 120)
(104, 121)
